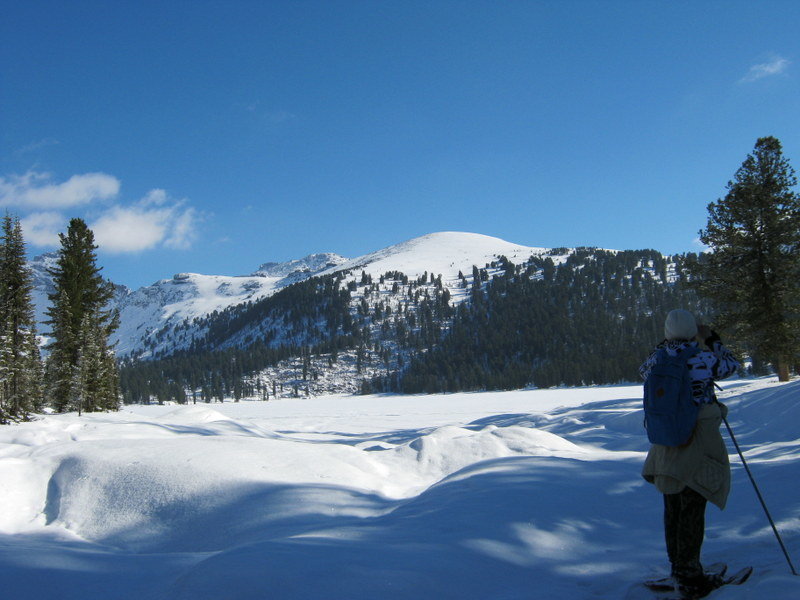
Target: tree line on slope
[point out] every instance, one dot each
(375, 321)
(523, 320)
(587, 321)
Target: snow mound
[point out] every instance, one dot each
(449, 449)
(120, 501)
(196, 414)
(178, 493)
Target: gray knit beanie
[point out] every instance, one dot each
(680, 325)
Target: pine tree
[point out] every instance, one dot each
(81, 374)
(753, 270)
(110, 392)
(5, 359)
(76, 398)
(63, 354)
(34, 373)
(19, 357)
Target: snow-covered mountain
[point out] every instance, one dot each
(147, 314)
(444, 253)
(42, 284)
(302, 268)
(442, 312)
(165, 315)
(151, 313)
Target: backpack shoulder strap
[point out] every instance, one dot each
(663, 356)
(689, 352)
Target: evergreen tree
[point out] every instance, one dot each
(80, 373)
(110, 392)
(34, 373)
(753, 271)
(19, 356)
(5, 359)
(76, 398)
(63, 354)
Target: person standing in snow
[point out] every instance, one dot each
(698, 472)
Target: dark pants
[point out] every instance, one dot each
(684, 527)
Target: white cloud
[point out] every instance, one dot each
(775, 66)
(156, 197)
(155, 220)
(41, 229)
(130, 229)
(37, 190)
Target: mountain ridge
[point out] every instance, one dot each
(443, 312)
(149, 313)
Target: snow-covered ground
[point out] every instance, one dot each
(529, 494)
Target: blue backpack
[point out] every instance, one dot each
(670, 412)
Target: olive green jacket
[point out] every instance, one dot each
(702, 464)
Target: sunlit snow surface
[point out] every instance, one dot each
(530, 494)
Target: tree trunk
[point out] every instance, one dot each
(783, 369)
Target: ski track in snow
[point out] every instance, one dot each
(527, 494)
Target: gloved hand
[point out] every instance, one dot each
(706, 335)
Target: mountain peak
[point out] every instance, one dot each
(312, 263)
(444, 252)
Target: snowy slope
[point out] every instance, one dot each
(444, 253)
(42, 284)
(440, 254)
(298, 270)
(161, 316)
(529, 494)
(149, 315)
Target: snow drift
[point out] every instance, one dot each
(494, 495)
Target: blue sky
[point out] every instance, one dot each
(214, 136)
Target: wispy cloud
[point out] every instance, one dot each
(38, 191)
(156, 220)
(38, 145)
(183, 229)
(775, 66)
(267, 117)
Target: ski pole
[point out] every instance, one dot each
(758, 492)
(760, 498)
